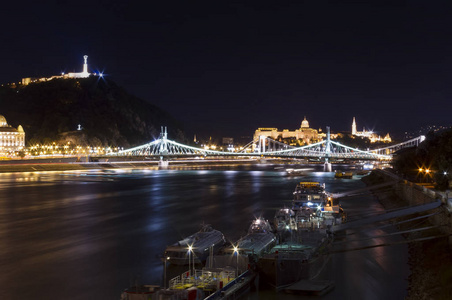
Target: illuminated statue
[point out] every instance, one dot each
(85, 65)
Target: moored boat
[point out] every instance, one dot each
(200, 244)
(302, 254)
(343, 175)
(298, 172)
(289, 262)
(284, 219)
(309, 194)
(258, 240)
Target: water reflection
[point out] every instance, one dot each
(84, 235)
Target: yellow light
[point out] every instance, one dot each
(427, 171)
(420, 169)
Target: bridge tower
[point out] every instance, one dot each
(261, 144)
(327, 165)
(163, 149)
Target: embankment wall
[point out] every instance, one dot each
(413, 194)
(430, 256)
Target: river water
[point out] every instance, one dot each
(89, 235)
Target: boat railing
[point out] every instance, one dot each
(205, 279)
(175, 282)
(229, 285)
(311, 225)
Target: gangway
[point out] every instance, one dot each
(363, 190)
(387, 216)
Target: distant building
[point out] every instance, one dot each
(305, 133)
(228, 141)
(11, 139)
(83, 74)
(373, 137)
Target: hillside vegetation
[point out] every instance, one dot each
(108, 115)
(434, 154)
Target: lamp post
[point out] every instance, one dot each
(164, 274)
(190, 248)
(236, 251)
(427, 174)
(420, 172)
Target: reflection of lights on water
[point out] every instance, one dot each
(256, 173)
(202, 172)
(321, 174)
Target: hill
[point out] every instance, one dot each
(108, 115)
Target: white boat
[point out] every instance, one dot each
(309, 194)
(259, 239)
(284, 219)
(312, 201)
(298, 172)
(197, 246)
(302, 254)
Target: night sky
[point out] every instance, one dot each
(225, 68)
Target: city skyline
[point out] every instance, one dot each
(230, 68)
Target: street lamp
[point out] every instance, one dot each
(427, 174)
(164, 274)
(236, 251)
(190, 248)
(422, 174)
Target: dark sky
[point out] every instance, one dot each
(228, 67)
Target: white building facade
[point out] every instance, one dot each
(11, 139)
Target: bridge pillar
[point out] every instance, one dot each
(327, 166)
(163, 163)
(262, 144)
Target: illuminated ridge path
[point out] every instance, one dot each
(266, 147)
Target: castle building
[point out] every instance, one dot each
(373, 137)
(11, 139)
(83, 74)
(305, 133)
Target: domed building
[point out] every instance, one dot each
(305, 133)
(11, 139)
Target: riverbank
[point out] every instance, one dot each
(430, 260)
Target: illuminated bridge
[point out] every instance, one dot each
(264, 147)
